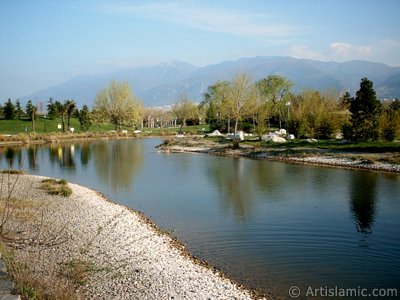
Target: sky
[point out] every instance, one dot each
(45, 43)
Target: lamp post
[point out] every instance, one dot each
(287, 120)
(44, 118)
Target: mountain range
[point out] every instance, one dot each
(164, 83)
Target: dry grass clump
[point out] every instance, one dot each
(13, 172)
(56, 187)
(33, 286)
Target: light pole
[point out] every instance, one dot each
(287, 120)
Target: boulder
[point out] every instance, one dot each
(273, 137)
(311, 140)
(278, 139)
(282, 132)
(215, 133)
(239, 136)
(291, 137)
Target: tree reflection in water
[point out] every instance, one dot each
(362, 199)
(116, 162)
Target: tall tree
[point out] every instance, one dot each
(9, 110)
(52, 109)
(275, 88)
(184, 109)
(31, 112)
(117, 104)
(364, 109)
(19, 112)
(84, 118)
(241, 93)
(69, 107)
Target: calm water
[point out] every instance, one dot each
(269, 225)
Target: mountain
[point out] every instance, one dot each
(164, 83)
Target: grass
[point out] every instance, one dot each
(56, 187)
(35, 287)
(13, 172)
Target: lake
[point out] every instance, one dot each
(268, 225)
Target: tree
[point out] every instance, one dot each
(31, 112)
(240, 94)
(365, 110)
(52, 109)
(315, 115)
(19, 112)
(9, 110)
(184, 109)
(84, 118)
(69, 108)
(117, 104)
(275, 88)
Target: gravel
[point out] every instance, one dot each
(125, 256)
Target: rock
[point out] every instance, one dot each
(311, 140)
(282, 132)
(273, 137)
(339, 136)
(215, 133)
(291, 137)
(278, 139)
(239, 136)
(137, 131)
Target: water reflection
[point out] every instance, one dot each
(362, 199)
(235, 186)
(116, 162)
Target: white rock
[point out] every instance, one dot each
(137, 131)
(215, 133)
(278, 139)
(311, 140)
(291, 137)
(239, 136)
(282, 132)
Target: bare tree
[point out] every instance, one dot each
(117, 104)
(184, 109)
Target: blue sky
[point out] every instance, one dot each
(44, 43)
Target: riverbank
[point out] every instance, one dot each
(86, 247)
(377, 161)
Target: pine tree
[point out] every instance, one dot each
(84, 118)
(19, 112)
(365, 109)
(52, 109)
(9, 110)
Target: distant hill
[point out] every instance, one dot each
(164, 83)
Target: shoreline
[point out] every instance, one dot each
(332, 160)
(129, 256)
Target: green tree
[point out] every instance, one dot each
(84, 118)
(184, 109)
(275, 88)
(31, 112)
(9, 110)
(240, 94)
(69, 109)
(365, 110)
(19, 112)
(117, 104)
(52, 109)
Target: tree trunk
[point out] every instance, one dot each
(33, 121)
(63, 122)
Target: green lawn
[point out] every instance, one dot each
(45, 125)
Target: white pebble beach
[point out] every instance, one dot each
(130, 257)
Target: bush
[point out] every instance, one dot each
(389, 134)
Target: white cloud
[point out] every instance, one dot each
(208, 18)
(346, 50)
(302, 51)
